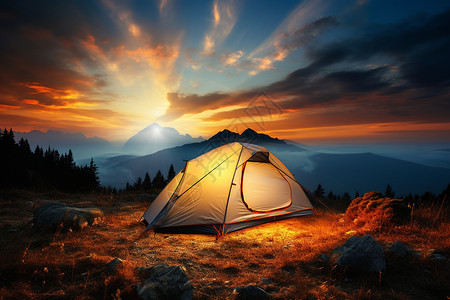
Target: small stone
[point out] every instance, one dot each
(112, 265)
(266, 280)
(166, 282)
(360, 254)
(250, 292)
(436, 256)
(400, 249)
(324, 257)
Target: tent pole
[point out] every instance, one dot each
(229, 192)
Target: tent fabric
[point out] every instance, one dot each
(232, 187)
(260, 182)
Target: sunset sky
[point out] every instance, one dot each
(310, 71)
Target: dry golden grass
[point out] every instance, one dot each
(72, 265)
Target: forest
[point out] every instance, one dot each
(42, 169)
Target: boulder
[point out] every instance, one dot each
(359, 254)
(166, 282)
(324, 257)
(250, 292)
(373, 211)
(56, 214)
(113, 264)
(267, 280)
(399, 249)
(435, 255)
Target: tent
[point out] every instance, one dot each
(232, 187)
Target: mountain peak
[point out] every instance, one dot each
(249, 130)
(155, 137)
(152, 127)
(248, 136)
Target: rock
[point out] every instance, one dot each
(166, 282)
(359, 254)
(250, 292)
(112, 265)
(55, 214)
(324, 257)
(400, 250)
(266, 280)
(436, 255)
(144, 271)
(373, 211)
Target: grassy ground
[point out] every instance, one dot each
(71, 265)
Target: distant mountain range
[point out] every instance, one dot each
(155, 148)
(340, 173)
(154, 138)
(149, 140)
(81, 146)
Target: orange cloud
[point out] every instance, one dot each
(299, 28)
(135, 30)
(224, 19)
(216, 13)
(156, 56)
(7, 107)
(230, 59)
(162, 5)
(54, 93)
(261, 64)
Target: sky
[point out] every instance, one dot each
(315, 72)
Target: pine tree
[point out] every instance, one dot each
(319, 192)
(94, 179)
(158, 182)
(445, 193)
(346, 198)
(331, 196)
(147, 184)
(138, 184)
(70, 161)
(171, 173)
(389, 192)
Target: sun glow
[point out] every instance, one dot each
(156, 131)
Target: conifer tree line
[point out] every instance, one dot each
(42, 169)
(343, 200)
(146, 184)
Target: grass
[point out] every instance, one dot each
(72, 265)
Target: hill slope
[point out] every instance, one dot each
(337, 172)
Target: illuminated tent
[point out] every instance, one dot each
(226, 189)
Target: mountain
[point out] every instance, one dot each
(363, 172)
(154, 138)
(340, 173)
(82, 146)
(130, 169)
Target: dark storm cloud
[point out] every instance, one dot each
(418, 46)
(392, 72)
(44, 46)
(181, 104)
(305, 34)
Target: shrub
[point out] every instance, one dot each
(373, 211)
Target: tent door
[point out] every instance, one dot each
(264, 188)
